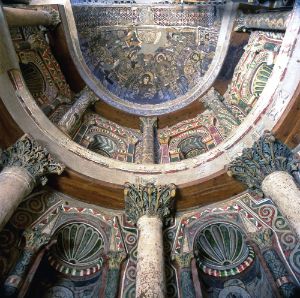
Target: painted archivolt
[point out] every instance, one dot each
(252, 72)
(254, 218)
(147, 55)
(192, 137)
(107, 138)
(244, 215)
(39, 68)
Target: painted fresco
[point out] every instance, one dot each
(148, 55)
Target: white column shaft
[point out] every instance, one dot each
(150, 276)
(282, 189)
(15, 184)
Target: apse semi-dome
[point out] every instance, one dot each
(78, 250)
(148, 59)
(221, 250)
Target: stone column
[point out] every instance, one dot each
(214, 102)
(86, 98)
(34, 241)
(148, 125)
(183, 262)
(19, 17)
(147, 206)
(25, 164)
(115, 259)
(267, 169)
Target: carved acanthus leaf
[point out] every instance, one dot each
(148, 200)
(28, 154)
(35, 239)
(266, 156)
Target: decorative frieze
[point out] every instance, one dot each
(151, 200)
(266, 156)
(28, 154)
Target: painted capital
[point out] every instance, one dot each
(35, 239)
(183, 260)
(54, 17)
(164, 140)
(266, 156)
(28, 154)
(263, 239)
(115, 258)
(148, 122)
(149, 199)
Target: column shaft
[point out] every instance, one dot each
(148, 124)
(18, 17)
(25, 164)
(150, 277)
(34, 241)
(281, 188)
(74, 114)
(15, 184)
(263, 21)
(115, 259)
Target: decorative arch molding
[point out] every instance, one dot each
(148, 109)
(271, 109)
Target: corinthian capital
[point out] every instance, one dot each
(35, 239)
(28, 154)
(148, 200)
(266, 156)
(148, 122)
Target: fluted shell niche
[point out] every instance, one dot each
(78, 250)
(221, 250)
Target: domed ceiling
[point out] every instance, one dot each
(148, 55)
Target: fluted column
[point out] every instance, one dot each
(34, 241)
(148, 125)
(18, 17)
(147, 206)
(86, 98)
(266, 169)
(183, 262)
(24, 165)
(213, 101)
